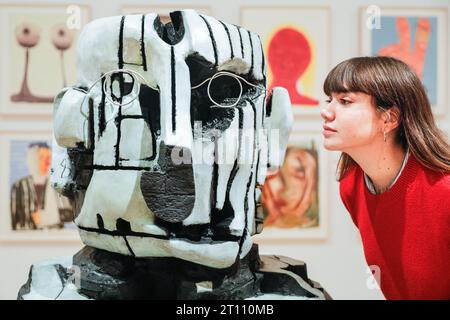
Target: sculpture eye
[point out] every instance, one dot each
(119, 85)
(225, 90)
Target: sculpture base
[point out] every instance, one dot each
(98, 274)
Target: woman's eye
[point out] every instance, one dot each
(345, 102)
(328, 100)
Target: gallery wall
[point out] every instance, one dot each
(332, 249)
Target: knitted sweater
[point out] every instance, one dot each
(405, 231)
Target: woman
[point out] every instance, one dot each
(394, 173)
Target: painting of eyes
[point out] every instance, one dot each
(40, 43)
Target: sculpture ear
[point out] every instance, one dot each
(279, 112)
(69, 124)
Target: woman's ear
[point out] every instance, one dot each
(392, 118)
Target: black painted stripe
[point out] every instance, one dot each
(213, 40)
(269, 105)
(101, 112)
(131, 116)
(118, 124)
(143, 55)
(120, 65)
(251, 49)
(252, 104)
(128, 246)
(91, 124)
(263, 61)
(254, 192)
(268, 113)
(229, 39)
(131, 233)
(120, 51)
(174, 92)
(215, 178)
(242, 43)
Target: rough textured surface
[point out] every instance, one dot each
(106, 275)
(169, 194)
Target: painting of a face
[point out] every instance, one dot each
(176, 140)
(33, 204)
(44, 160)
(290, 196)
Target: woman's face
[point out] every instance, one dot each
(351, 121)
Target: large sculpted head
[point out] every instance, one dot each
(165, 139)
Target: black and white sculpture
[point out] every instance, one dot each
(162, 146)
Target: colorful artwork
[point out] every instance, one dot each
(417, 37)
(290, 196)
(294, 197)
(30, 204)
(296, 48)
(290, 55)
(34, 204)
(40, 42)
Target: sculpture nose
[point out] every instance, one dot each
(170, 193)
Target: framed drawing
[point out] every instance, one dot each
(38, 54)
(294, 199)
(296, 41)
(31, 210)
(416, 35)
(163, 11)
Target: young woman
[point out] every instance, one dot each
(394, 173)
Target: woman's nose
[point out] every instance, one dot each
(326, 113)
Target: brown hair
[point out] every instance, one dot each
(391, 83)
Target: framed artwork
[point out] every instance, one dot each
(296, 44)
(416, 35)
(294, 198)
(38, 54)
(30, 208)
(163, 11)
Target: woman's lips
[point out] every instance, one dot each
(328, 130)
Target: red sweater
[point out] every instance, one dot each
(405, 231)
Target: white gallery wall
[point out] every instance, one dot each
(337, 261)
